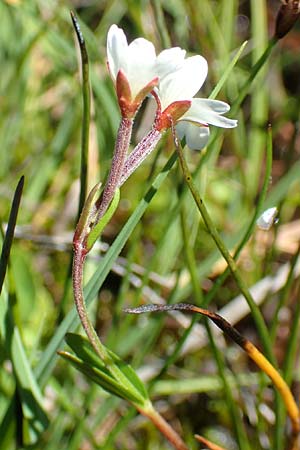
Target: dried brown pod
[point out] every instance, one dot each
(286, 17)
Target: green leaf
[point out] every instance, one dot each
(33, 416)
(99, 227)
(85, 352)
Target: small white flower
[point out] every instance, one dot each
(136, 71)
(137, 60)
(135, 68)
(181, 86)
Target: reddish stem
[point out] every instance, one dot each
(166, 429)
(77, 277)
(117, 165)
(139, 153)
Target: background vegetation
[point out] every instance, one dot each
(201, 383)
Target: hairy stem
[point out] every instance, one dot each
(139, 153)
(77, 276)
(117, 165)
(78, 264)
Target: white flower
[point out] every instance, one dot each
(137, 60)
(135, 68)
(180, 86)
(136, 71)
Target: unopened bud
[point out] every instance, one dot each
(286, 17)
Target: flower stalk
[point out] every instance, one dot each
(259, 321)
(140, 153)
(117, 166)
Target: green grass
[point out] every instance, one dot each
(158, 247)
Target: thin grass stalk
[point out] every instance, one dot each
(257, 316)
(243, 91)
(259, 206)
(289, 360)
(86, 114)
(85, 133)
(293, 341)
(236, 421)
(259, 98)
(161, 24)
(285, 293)
(9, 235)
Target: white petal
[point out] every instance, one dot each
(184, 83)
(214, 105)
(196, 137)
(169, 60)
(117, 48)
(202, 112)
(140, 64)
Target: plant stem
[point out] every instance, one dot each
(259, 321)
(256, 68)
(163, 426)
(78, 264)
(139, 153)
(77, 277)
(259, 205)
(117, 165)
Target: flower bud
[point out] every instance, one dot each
(286, 17)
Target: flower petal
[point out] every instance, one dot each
(196, 137)
(184, 83)
(208, 112)
(140, 64)
(214, 105)
(169, 60)
(117, 48)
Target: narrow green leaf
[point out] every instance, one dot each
(102, 377)
(228, 70)
(86, 100)
(8, 239)
(34, 417)
(97, 230)
(84, 350)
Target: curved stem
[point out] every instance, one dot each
(78, 264)
(77, 275)
(165, 428)
(257, 316)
